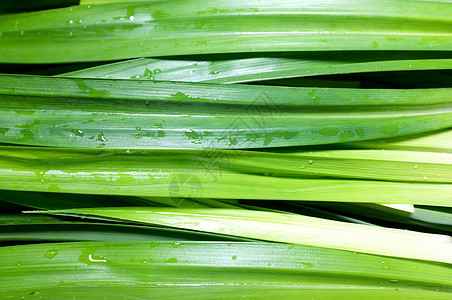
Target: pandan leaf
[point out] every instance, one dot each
(100, 113)
(286, 228)
(163, 28)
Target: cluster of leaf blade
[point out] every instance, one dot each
(328, 174)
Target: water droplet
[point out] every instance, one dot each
(138, 128)
(310, 161)
(415, 166)
(131, 18)
(176, 244)
(101, 137)
(71, 22)
(234, 257)
(96, 259)
(22, 32)
(51, 253)
(291, 246)
(425, 177)
(71, 34)
(394, 281)
(78, 132)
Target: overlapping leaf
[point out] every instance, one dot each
(100, 113)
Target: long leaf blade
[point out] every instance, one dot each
(188, 264)
(100, 113)
(194, 175)
(287, 228)
(259, 68)
(130, 30)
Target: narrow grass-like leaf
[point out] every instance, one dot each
(187, 202)
(421, 218)
(101, 113)
(222, 292)
(193, 175)
(287, 228)
(34, 228)
(397, 208)
(260, 68)
(131, 30)
(62, 201)
(431, 216)
(440, 141)
(20, 219)
(211, 264)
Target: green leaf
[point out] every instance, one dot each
(209, 264)
(62, 201)
(35, 228)
(20, 219)
(287, 228)
(421, 219)
(440, 141)
(131, 30)
(195, 175)
(128, 114)
(221, 292)
(264, 68)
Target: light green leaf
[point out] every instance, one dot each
(35, 228)
(287, 228)
(227, 174)
(440, 141)
(222, 292)
(264, 68)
